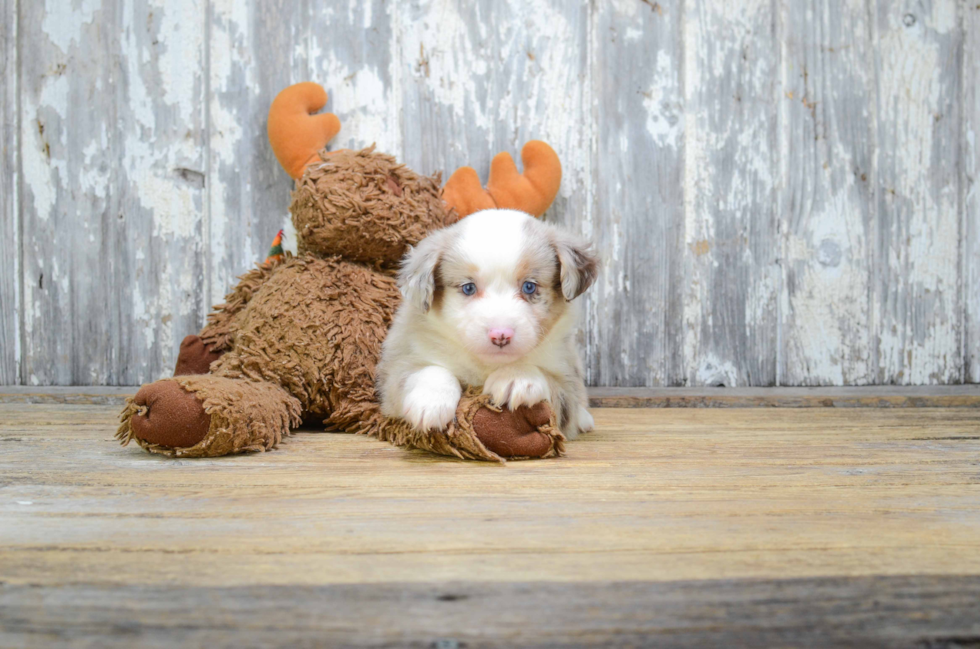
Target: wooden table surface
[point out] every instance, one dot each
(673, 527)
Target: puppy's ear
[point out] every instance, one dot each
(417, 277)
(578, 263)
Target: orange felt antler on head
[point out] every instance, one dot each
(531, 192)
(295, 133)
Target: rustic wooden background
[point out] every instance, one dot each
(784, 192)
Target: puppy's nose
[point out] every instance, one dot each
(501, 336)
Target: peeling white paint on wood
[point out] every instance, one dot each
(731, 76)
(112, 136)
(255, 49)
(826, 203)
(487, 78)
(970, 190)
(640, 122)
(918, 55)
(352, 53)
(9, 230)
(782, 192)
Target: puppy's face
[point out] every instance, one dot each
(497, 281)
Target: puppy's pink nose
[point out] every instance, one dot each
(501, 336)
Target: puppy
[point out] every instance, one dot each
(488, 301)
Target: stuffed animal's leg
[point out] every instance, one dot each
(195, 356)
(525, 432)
(206, 416)
(480, 431)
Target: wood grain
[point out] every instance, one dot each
(353, 52)
(112, 134)
(782, 193)
(919, 308)
(84, 395)
(10, 311)
(635, 336)
(970, 190)
(467, 95)
(795, 526)
(947, 396)
(652, 496)
(731, 272)
(909, 611)
(827, 149)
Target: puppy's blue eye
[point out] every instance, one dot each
(529, 288)
(468, 288)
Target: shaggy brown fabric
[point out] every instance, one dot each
(315, 328)
(244, 415)
(195, 356)
(218, 333)
(365, 206)
(512, 435)
(456, 441)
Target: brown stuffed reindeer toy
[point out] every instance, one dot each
(299, 338)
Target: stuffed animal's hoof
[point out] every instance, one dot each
(514, 433)
(195, 357)
(168, 416)
(204, 415)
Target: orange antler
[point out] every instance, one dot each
(296, 134)
(531, 192)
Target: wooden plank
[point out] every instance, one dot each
(827, 155)
(946, 396)
(910, 611)
(970, 188)
(113, 189)
(255, 49)
(10, 311)
(486, 77)
(731, 272)
(352, 49)
(636, 312)
(919, 308)
(91, 394)
(651, 496)
(489, 77)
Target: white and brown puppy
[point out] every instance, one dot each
(488, 301)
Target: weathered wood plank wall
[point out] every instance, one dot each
(918, 61)
(636, 309)
(827, 196)
(9, 230)
(112, 197)
(783, 192)
(970, 191)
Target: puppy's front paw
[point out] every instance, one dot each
(514, 387)
(427, 409)
(431, 399)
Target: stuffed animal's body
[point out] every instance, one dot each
(299, 338)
